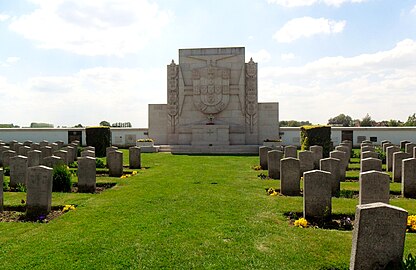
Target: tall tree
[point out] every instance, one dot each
(341, 120)
(367, 121)
(411, 120)
(105, 123)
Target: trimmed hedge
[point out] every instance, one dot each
(100, 138)
(316, 135)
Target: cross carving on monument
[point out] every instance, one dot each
(211, 118)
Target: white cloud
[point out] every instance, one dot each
(87, 97)
(303, 3)
(413, 10)
(4, 17)
(380, 83)
(96, 27)
(287, 56)
(259, 56)
(307, 27)
(9, 61)
(12, 59)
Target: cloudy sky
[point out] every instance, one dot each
(73, 61)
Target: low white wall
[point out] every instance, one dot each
(291, 135)
(120, 136)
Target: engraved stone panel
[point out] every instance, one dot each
(263, 150)
(397, 165)
(370, 164)
(290, 177)
(374, 187)
(39, 191)
(389, 156)
(409, 178)
(134, 157)
(86, 174)
(115, 163)
(332, 165)
(378, 237)
(291, 151)
(273, 163)
(317, 188)
(18, 170)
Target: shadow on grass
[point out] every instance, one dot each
(341, 222)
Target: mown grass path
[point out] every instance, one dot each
(182, 212)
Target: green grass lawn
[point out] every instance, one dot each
(182, 212)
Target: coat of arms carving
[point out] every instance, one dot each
(211, 88)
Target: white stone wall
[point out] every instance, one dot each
(158, 117)
(268, 121)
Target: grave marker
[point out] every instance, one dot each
(290, 177)
(134, 157)
(317, 188)
(378, 237)
(331, 165)
(18, 171)
(39, 191)
(86, 174)
(374, 187)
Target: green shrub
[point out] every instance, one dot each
(79, 150)
(316, 135)
(100, 138)
(99, 163)
(61, 179)
(409, 262)
(73, 164)
(381, 154)
(6, 186)
(6, 171)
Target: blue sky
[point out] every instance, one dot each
(71, 61)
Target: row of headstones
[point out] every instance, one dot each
(401, 164)
(115, 160)
(37, 152)
(288, 165)
(38, 179)
(379, 231)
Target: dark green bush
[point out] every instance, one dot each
(316, 135)
(6, 186)
(381, 154)
(99, 163)
(409, 262)
(61, 179)
(6, 171)
(100, 138)
(73, 164)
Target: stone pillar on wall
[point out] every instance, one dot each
(251, 98)
(173, 101)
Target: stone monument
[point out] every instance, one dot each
(212, 105)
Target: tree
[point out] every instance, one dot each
(411, 120)
(8, 126)
(341, 120)
(294, 123)
(40, 125)
(78, 126)
(105, 124)
(367, 121)
(394, 123)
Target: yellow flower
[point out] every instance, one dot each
(68, 207)
(411, 223)
(302, 222)
(134, 172)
